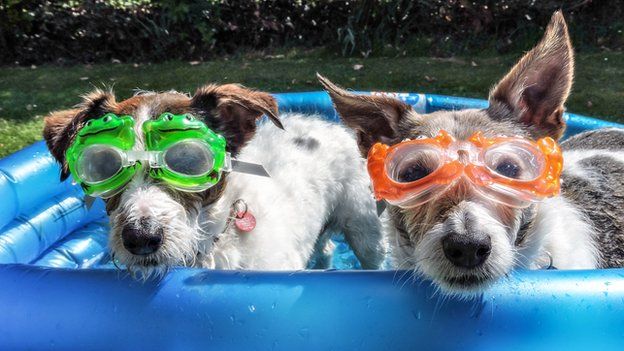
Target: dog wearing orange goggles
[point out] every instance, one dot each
(473, 194)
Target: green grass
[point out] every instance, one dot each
(27, 94)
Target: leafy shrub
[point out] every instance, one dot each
(36, 31)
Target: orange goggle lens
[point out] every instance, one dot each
(510, 170)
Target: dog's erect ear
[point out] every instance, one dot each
(375, 118)
(60, 127)
(539, 84)
(232, 110)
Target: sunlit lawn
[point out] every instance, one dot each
(27, 94)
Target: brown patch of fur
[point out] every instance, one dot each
(57, 141)
(158, 103)
(61, 127)
(233, 110)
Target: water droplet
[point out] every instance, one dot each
(304, 332)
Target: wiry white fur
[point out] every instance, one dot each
(561, 233)
(311, 192)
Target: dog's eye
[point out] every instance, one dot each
(508, 168)
(514, 161)
(413, 172)
(412, 163)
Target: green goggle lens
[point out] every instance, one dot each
(99, 163)
(190, 158)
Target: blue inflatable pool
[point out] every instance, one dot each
(58, 290)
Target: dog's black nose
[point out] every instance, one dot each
(142, 238)
(467, 250)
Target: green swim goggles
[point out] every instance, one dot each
(179, 149)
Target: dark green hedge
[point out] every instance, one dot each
(142, 30)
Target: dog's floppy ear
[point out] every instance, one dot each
(232, 110)
(539, 84)
(60, 127)
(375, 118)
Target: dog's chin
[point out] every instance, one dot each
(147, 267)
(147, 272)
(461, 283)
(467, 285)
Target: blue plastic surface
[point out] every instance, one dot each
(25, 238)
(340, 310)
(45, 223)
(84, 248)
(27, 178)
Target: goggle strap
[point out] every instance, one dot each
(381, 207)
(248, 167)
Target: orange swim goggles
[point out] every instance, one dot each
(513, 171)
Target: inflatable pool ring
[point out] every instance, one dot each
(58, 289)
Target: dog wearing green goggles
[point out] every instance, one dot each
(185, 184)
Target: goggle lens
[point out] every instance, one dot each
(98, 163)
(514, 161)
(412, 163)
(189, 158)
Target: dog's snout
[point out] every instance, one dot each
(142, 238)
(468, 251)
